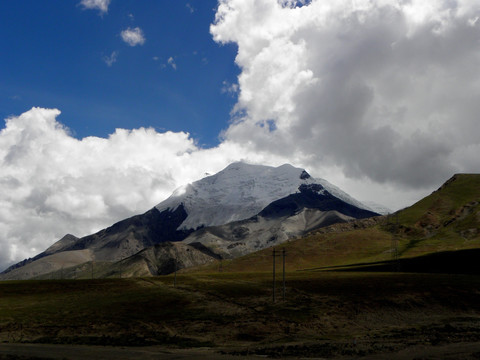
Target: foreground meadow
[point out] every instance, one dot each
(325, 314)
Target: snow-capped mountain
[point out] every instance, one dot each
(240, 191)
(241, 209)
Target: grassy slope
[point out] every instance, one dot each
(448, 219)
(314, 251)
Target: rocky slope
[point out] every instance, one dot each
(294, 215)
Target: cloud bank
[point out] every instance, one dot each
(385, 90)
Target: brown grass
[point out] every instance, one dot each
(235, 311)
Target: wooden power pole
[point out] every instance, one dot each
(175, 276)
(274, 255)
(274, 274)
(283, 292)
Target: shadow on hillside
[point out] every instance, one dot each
(445, 262)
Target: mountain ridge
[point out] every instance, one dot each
(242, 191)
(269, 205)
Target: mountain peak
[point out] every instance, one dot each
(239, 192)
(304, 175)
(243, 167)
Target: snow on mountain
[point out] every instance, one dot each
(338, 193)
(378, 208)
(240, 191)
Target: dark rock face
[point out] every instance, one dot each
(207, 251)
(304, 175)
(149, 229)
(166, 257)
(21, 263)
(313, 196)
(125, 237)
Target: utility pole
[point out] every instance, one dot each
(274, 274)
(394, 246)
(175, 262)
(283, 292)
(175, 276)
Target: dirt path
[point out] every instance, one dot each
(465, 351)
(85, 352)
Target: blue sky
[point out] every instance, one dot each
(55, 53)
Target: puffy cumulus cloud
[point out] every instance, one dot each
(100, 5)
(133, 36)
(383, 92)
(52, 183)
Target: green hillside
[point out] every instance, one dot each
(448, 219)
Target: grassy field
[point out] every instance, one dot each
(328, 314)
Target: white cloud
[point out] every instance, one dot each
(133, 36)
(101, 5)
(190, 8)
(171, 62)
(112, 58)
(383, 91)
(228, 88)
